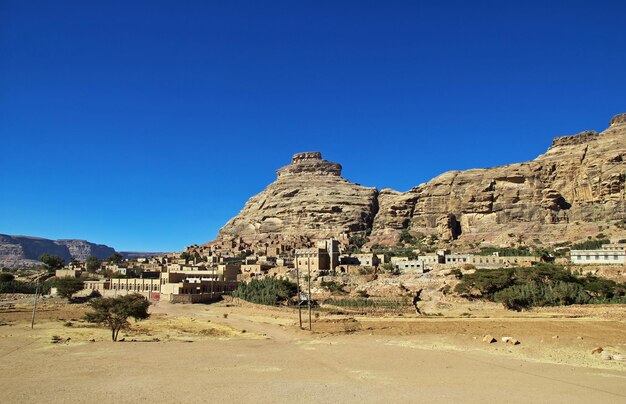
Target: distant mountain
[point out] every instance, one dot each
(24, 251)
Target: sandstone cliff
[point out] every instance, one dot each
(309, 198)
(22, 251)
(580, 180)
(574, 189)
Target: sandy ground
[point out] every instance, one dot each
(194, 353)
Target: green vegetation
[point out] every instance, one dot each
(6, 277)
(115, 258)
(66, 287)
(367, 303)
(590, 244)
(544, 285)
(115, 311)
(52, 262)
(268, 291)
(333, 287)
(506, 251)
(406, 237)
(93, 264)
(396, 251)
(23, 287)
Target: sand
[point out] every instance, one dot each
(192, 353)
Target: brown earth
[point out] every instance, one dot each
(227, 352)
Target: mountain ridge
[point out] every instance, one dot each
(576, 184)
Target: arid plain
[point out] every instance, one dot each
(233, 351)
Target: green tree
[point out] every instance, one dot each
(6, 277)
(115, 311)
(93, 264)
(52, 262)
(185, 256)
(268, 291)
(66, 287)
(116, 258)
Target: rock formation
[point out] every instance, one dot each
(309, 198)
(22, 251)
(580, 180)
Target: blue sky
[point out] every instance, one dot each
(147, 125)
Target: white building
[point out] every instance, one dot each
(603, 257)
(410, 266)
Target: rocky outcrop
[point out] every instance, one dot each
(22, 251)
(580, 180)
(580, 138)
(309, 198)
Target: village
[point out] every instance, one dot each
(206, 273)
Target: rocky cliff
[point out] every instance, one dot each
(576, 188)
(579, 182)
(309, 198)
(22, 251)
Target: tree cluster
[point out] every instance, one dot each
(268, 291)
(543, 285)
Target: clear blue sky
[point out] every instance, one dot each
(147, 125)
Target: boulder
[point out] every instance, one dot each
(489, 339)
(510, 340)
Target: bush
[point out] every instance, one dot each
(23, 287)
(333, 287)
(519, 297)
(406, 237)
(115, 311)
(6, 277)
(268, 291)
(590, 244)
(543, 285)
(66, 287)
(484, 283)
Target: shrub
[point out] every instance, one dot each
(406, 237)
(590, 244)
(485, 282)
(66, 287)
(333, 287)
(519, 297)
(23, 287)
(268, 291)
(6, 277)
(543, 285)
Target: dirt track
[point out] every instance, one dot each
(203, 356)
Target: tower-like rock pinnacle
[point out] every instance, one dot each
(309, 198)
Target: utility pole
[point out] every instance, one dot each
(32, 321)
(298, 291)
(309, 296)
